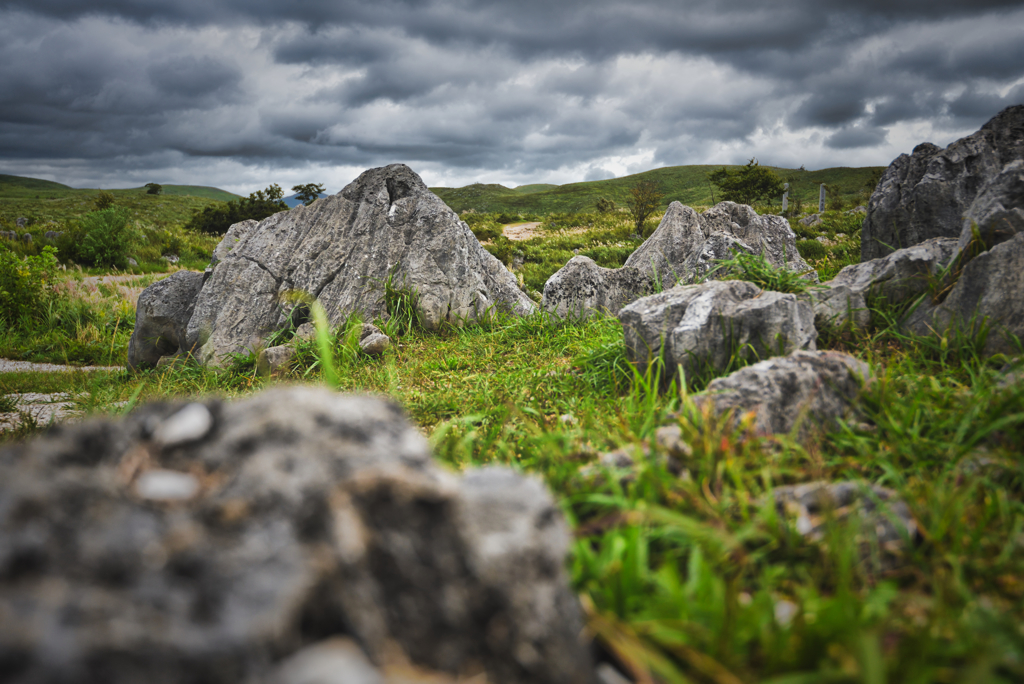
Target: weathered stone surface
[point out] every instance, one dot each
(581, 288)
(702, 326)
(996, 215)
(342, 249)
(341, 661)
(987, 292)
(275, 360)
(767, 235)
(684, 249)
(926, 194)
(811, 390)
(161, 317)
(210, 541)
(661, 257)
(899, 277)
(235, 234)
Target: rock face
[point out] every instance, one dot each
(685, 248)
(900, 277)
(996, 215)
(209, 541)
(161, 318)
(385, 226)
(700, 327)
(926, 194)
(235, 234)
(986, 293)
(810, 390)
(581, 288)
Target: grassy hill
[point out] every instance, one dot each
(687, 184)
(42, 201)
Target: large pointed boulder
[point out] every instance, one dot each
(385, 229)
(927, 193)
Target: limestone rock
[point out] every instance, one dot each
(211, 541)
(899, 277)
(385, 226)
(926, 194)
(996, 215)
(581, 288)
(987, 292)
(275, 360)
(236, 233)
(161, 318)
(372, 341)
(809, 389)
(700, 327)
(684, 249)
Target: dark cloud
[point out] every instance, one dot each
(480, 88)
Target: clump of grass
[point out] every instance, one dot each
(755, 268)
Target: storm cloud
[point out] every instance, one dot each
(243, 93)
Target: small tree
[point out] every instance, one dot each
(104, 200)
(308, 193)
(154, 188)
(605, 205)
(748, 184)
(644, 198)
(835, 198)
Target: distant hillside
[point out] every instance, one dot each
(19, 183)
(195, 191)
(687, 184)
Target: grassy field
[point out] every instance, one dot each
(686, 184)
(696, 578)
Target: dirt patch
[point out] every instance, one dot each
(521, 231)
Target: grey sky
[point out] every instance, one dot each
(242, 93)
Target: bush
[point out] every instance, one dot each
(25, 284)
(108, 237)
(259, 205)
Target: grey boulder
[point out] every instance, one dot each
(897, 278)
(161, 317)
(986, 294)
(235, 234)
(996, 215)
(384, 228)
(926, 194)
(210, 541)
(701, 327)
(686, 248)
(806, 390)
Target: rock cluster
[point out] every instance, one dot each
(385, 229)
(931, 193)
(685, 248)
(257, 540)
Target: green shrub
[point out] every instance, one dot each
(25, 283)
(754, 268)
(216, 219)
(811, 249)
(108, 237)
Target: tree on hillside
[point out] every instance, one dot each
(748, 184)
(154, 188)
(218, 218)
(308, 193)
(644, 198)
(605, 205)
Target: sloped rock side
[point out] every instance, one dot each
(341, 250)
(208, 541)
(161, 318)
(899, 277)
(700, 327)
(811, 390)
(987, 294)
(685, 248)
(996, 215)
(926, 194)
(235, 233)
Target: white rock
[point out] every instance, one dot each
(187, 425)
(166, 485)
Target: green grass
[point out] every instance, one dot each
(697, 578)
(686, 184)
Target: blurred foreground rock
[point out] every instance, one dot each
(218, 542)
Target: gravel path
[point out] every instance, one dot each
(8, 366)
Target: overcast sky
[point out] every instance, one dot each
(243, 93)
